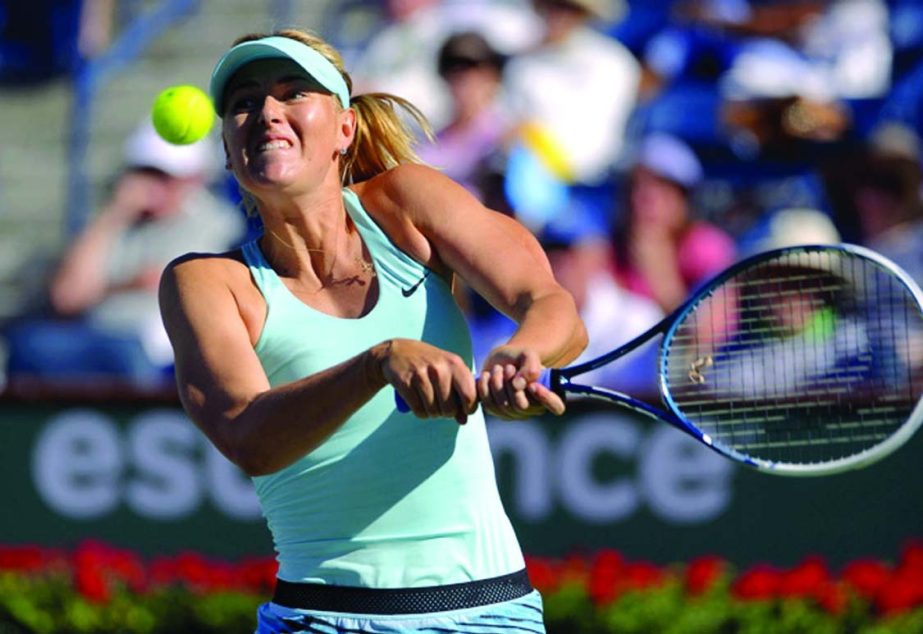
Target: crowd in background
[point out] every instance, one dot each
(648, 144)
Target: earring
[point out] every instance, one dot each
(342, 151)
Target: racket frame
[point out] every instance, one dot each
(560, 380)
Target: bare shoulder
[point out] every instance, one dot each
(434, 218)
(409, 189)
(211, 282)
(204, 270)
(402, 202)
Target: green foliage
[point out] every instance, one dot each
(99, 589)
(47, 604)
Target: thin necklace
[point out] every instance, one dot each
(364, 265)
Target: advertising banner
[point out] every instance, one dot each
(143, 476)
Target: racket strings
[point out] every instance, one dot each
(809, 357)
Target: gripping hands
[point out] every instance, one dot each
(434, 383)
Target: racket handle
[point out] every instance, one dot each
(545, 378)
(403, 407)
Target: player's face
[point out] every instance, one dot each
(282, 129)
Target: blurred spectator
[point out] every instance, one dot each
(822, 49)
(574, 93)
(783, 72)
(466, 148)
(400, 57)
(104, 321)
(662, 250)
(837, 51)
(876, 196)
(789, 227)
(580, 253)
(904, 103)
(642, 21)
(470, 148)
(97, 18)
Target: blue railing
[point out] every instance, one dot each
(90, 77)
(93, 74)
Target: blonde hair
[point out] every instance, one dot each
(384, 138)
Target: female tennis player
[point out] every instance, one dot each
(381, 521)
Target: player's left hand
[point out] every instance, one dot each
(508, 385)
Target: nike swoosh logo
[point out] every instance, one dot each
(407, 292)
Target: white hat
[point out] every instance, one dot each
(789, 227)
(895, 141)
(145, 148)
(669, 158)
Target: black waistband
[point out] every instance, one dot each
(314, 596)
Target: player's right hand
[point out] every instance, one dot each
(433, 382)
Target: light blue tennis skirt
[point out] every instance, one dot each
(510, 617)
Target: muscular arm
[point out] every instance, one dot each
(444, 226)
(224, 389)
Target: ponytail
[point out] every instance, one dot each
(384, 138)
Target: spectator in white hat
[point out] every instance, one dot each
(575, 92)
(105, 321)
(400, 56)
(877, 195)
(662, 250)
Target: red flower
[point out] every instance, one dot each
(702, 573)
(542, 574)
(605, 576)
(94, 558)
(90, 553)
(810, 578)
(900, 594)
(90, 582)
(603, 591)
(259, 574)
(21, 558)
(912, 557)
(193, 570)
(91, 561)
(833, 598)
(641, 575)
(221, 576)
(163, 571)
(759, 582)
(866, 577)
(129, 568)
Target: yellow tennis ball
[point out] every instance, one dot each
(182, 114)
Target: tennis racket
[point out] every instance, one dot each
(800, 361)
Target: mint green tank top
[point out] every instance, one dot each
(389, 500)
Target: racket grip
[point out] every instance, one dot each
(545, 378)
(402, 407)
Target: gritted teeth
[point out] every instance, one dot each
(274, 144)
